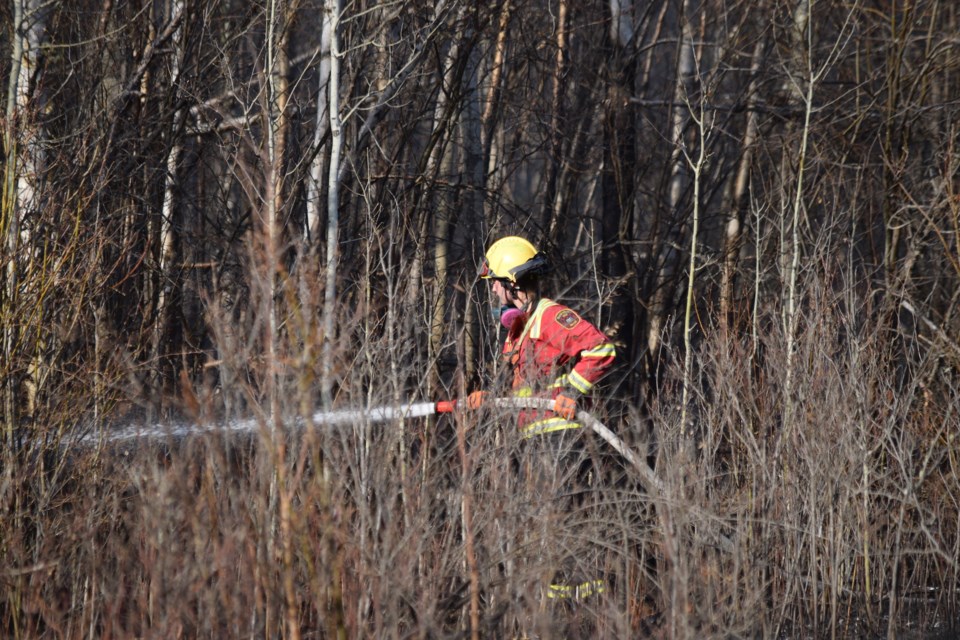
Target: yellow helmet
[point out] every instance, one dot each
(510, 257)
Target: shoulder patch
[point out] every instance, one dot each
(567, 318)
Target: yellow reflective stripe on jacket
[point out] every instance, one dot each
(549, 425)
(572, 379)
(605, 350)
(536, 320)
(578, 382)
(577, 592)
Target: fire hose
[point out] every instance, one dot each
(647, 475)
(376, 414)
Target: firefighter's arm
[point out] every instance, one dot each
(590, 355)
(589, 366)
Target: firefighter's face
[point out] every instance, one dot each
(504, 295)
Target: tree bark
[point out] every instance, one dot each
(23, 144)
(741, 180)
(168, 272)
(332, 8)
(664, 290)
(321, 128)
(474, 187)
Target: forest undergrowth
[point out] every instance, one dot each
(831, 512)
(246, 213)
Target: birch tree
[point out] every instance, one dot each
(738, 188)
(332, 8)
(684, 71)
(23, 144)
(168, 270)
(321, 125)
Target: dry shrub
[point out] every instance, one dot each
(832, 512)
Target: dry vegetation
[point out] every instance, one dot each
(842, 522)
(208, 217)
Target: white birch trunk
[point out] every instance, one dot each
(801, 18)
(314, 208)
(621, 22)
(23, 141)
(28, 99)
(332, 9)
(167, 238)
(685, 68)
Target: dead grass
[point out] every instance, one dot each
(839, 522)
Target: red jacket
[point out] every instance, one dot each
(555, 350)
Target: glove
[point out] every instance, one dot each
(565, 406)
(476, 399)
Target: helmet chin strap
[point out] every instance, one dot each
(518, 297)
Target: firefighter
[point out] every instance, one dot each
(550, 348)
(552, 352)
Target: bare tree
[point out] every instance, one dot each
(23, 143)
(234, 212)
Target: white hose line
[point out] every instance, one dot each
(340, 417)
(377, 414)
(647, 475)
